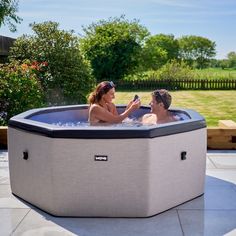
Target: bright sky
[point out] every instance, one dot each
(213, 19)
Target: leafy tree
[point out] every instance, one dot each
(196, 49)
(67, 77)
(224, 63)
(158, 50)
(113, 47)
(232, 59)
(215, 63)
(8, 9)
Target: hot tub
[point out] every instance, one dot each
(65, 167)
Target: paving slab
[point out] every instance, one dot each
(215, 223)
(214, 181)
(214, 213)
(3, 155)
(227, 175)
(9, 201)
(217, 196)
(5, 191)
(10, 219)
(4, 173)
(224, 162)
(216, 152)
(39, 223)
(210, 164)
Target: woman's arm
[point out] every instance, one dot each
(112, 108)
(99, 113)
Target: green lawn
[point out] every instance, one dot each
(215, 73)
(213, 105)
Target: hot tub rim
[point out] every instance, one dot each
(22, 122)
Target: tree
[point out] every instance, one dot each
(158, 50)
(67, 77)
(231, 59)
(8, 8)
(113, 47)
(196, 49)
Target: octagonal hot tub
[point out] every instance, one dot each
(66, 167)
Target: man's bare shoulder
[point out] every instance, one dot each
(149, 118)
(148, 115)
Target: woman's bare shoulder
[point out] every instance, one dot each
(94, 107)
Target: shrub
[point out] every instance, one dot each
(67, 77)
(20, 90)
(170, 71)
(138, 76)
(175, 71)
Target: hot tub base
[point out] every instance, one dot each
(137, 177)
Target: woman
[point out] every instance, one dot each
(101, 107)
(160, 103)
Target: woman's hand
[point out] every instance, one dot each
(132, 102)
(129, 105)
(135, 104)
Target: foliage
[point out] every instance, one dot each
(198, 74)
(142, 75)
(113, 47)
(8, 9)
(224, 63)
(232, 59)
(175, 71)
(158, 50)
(196, 49)
(172, 70)
(67, 77)
(20, 90)
(214, 73)
(214, 63)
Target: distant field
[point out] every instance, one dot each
(208, 74)
(213, 105)
(215, 73)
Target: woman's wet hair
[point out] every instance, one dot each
(101, 89)
(162, 96)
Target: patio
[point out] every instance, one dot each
(214, 213)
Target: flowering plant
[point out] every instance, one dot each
(20, 90)
(40, 69)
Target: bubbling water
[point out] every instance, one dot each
(126, 123)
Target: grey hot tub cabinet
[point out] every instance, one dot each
(105, 171)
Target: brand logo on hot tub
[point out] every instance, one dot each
(100, 158)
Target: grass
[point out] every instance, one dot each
(213, 105)
(202, 74)
(215, 73)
